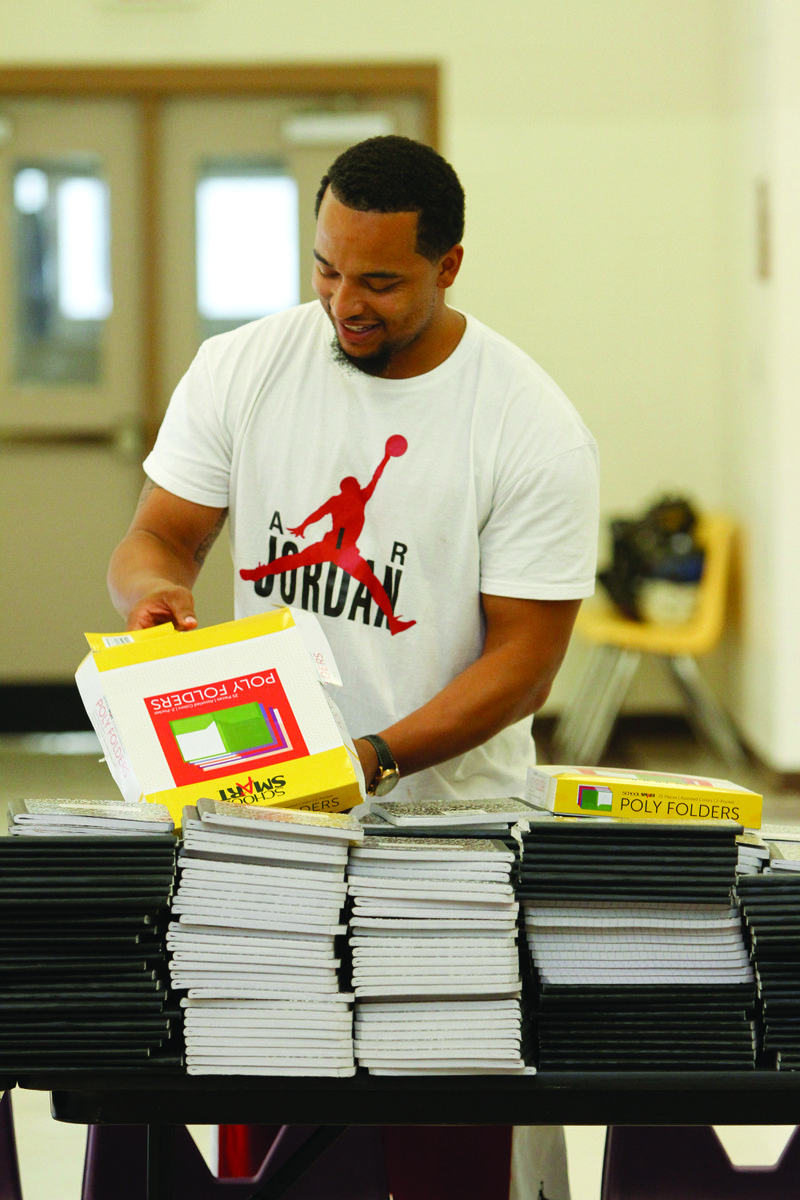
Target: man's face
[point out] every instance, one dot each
(385, 301)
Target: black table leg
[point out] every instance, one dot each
(298, 1164)
(160, 1162)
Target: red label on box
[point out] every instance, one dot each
(216, 729)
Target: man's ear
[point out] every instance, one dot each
(449, 266)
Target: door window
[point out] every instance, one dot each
(246, 244)
(63, 274)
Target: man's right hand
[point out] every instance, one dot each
(175, 604)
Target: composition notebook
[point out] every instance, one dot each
(92, 817)
(435, 813)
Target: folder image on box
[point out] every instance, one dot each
(595, 797)
(230, 736)
(204, 735)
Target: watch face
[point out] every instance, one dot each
(387, 779)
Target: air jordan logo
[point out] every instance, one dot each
(340, 544)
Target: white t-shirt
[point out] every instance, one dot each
(478, 476)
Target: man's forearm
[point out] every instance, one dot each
(479, 703)
(510, 680)
(140, 565)
(154, 568)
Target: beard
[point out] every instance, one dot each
(367, 364)
(378, 363)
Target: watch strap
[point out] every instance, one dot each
(386, 761)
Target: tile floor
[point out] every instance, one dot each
(51, 1154)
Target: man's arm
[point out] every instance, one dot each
(311, 519)
(526, 641)
(155, 566)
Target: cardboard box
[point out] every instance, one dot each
(640, 795)
(231, 712)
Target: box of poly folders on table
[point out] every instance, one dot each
(640, 795)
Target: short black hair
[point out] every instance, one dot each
(396, 174)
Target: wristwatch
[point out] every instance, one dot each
(388, 772)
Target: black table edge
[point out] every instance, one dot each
(571, 1098)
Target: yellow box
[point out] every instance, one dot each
(233, 712)
(640, 795)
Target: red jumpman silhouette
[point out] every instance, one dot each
(346, 510)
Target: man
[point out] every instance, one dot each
(475, 544)
(449, 577)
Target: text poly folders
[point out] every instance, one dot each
(236, 712)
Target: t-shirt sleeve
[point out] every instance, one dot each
(540, 541)
(192, 454)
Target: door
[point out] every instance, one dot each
(70, 304)
(111, 254)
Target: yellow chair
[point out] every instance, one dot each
(586, 725)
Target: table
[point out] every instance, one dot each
(756, 1097)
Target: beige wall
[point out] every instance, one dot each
(763, 425)
(598, 141)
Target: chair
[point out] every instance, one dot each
(618, 644)
(685, 1162)
(10, 1186)
(352, 1168)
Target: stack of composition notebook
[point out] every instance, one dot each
(253, 940)
(637, 950)
(770, 905)
(435, 966)
(83, 971)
